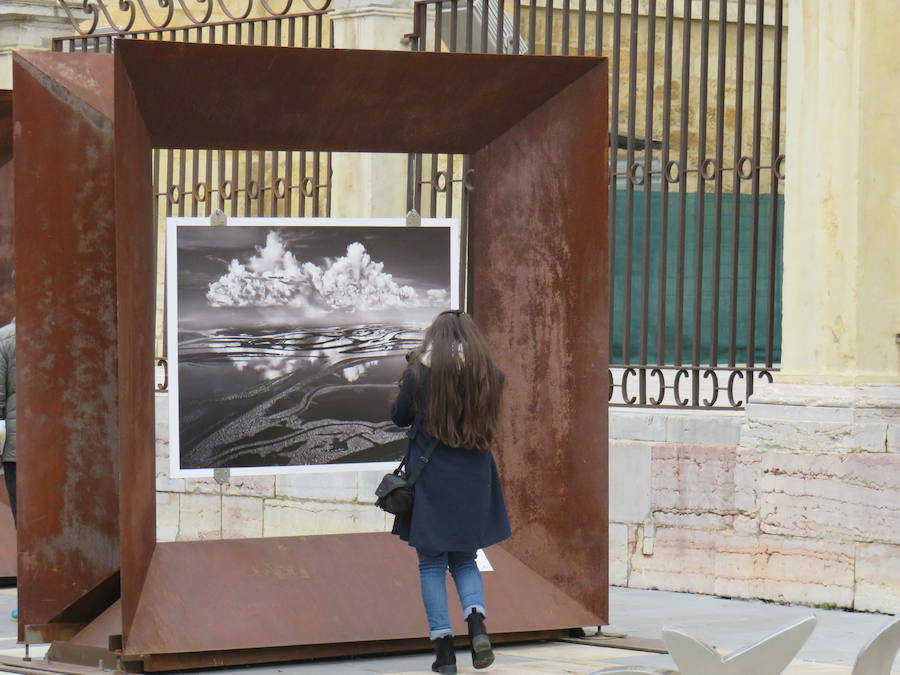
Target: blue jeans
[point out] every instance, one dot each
(433, 575)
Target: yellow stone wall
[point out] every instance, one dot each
(842, 209)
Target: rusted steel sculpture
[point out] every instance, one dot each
(66, 347)
(536, 129)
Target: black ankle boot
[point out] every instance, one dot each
(445, 656)
(482, 654)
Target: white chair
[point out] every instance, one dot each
(877, 657)
(769, 656)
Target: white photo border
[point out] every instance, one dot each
(172, 225)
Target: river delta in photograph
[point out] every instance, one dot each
(291, 339)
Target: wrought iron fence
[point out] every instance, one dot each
(695, 177)
(695, 164)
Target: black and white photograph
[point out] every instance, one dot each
(287, 336)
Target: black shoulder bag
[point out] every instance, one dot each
(395, 492)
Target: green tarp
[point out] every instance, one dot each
(731, 271)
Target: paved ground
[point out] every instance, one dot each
(732, 624)
(728, 624)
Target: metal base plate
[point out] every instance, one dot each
(316, 596)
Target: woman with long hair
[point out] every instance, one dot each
(450, 393)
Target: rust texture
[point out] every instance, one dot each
(333, 102)
(66, 329)
(194, 660)
(135, 250)
(539, 279)
(310, 591)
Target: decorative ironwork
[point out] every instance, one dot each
(242, 183)
(98, 17)
(683, 386)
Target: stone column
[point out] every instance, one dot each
(839, 385)
(842, 201)
(370, 184)
(819, 452)
(28, 24)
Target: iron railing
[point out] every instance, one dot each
(695, 190)
(91, 18)
(695, 201)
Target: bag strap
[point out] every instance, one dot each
(423, 460)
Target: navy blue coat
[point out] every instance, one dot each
(458, 502)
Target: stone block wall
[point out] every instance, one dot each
(787, 502)
(699, 502)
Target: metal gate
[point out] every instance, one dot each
(696, 172)
(695, 177)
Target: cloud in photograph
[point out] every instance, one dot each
(353, 282)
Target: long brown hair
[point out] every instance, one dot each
(465, 385)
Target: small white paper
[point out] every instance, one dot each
(481, 560)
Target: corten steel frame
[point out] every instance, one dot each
(535, 256)
(67, 413)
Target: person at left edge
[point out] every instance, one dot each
(8, 412)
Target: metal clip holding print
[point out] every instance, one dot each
(218, 218)
(524, 121)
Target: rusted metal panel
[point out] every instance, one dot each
(135, 250)
(66, 334)
(163, 662)
(315, 591)
(332, 102)
(104, 629)
(538, 262)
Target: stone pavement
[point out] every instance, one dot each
(727, 624)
